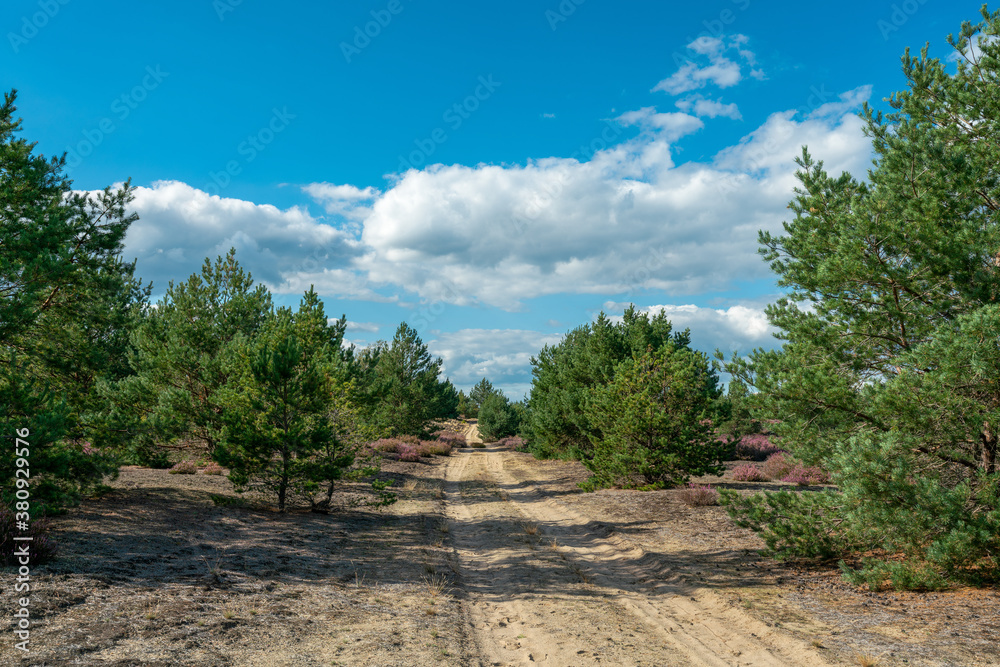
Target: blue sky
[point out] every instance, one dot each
(493, 175)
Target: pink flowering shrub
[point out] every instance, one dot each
(748, 472)
(452, 438)
(407, 452)
(696, 495)
(515, 442)
(385, 445)
(41, 548)
(434, 448)
(806, 476)
(756, 447)
(212, 469)
(184, 468)
(776, 466)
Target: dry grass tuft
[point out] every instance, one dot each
(580, 572)
(867, 659)
(436, 585)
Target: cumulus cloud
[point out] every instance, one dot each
(669, 126)
(502, 355)
(627, 219)
(179, 226)
(834, 134)
(738, 328)
(366, 327)
(721, 70)
(700, 106)
(346, 201)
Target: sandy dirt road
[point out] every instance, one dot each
(489, 557)
(543, 584)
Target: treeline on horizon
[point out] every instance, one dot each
(888, 377)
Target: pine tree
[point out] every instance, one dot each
(478, 394)
(889, 372)
(400, 386)
(497, 417)
(565, 374)
(654, 421)
(275, 415)
(66, 304)
(183, 355)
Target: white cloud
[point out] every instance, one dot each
(739, 328)
(834, 134)
(629, 219)
(179, 226)
(343, 200)
(720, 70)
(501, 355)
(668, 126)
(709, 108)
(367, 327)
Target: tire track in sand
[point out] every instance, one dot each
(573, 593)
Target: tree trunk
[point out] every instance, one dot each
(283, 481)
(989, 455)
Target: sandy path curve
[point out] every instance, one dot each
(544, 584)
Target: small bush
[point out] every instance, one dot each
(905, 576)
(697, 496)
(213, 469)
(756, 447)
(777, 466)
(748, 472)
(385, 445)
(408, 439)
(184, 468)
(452, 438)
(435, 448)
(41, 548)
(804, 525)
(227, 501)
(515, 442)
(806, 476)
(408, 452)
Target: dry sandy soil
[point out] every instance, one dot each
(488, 558)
